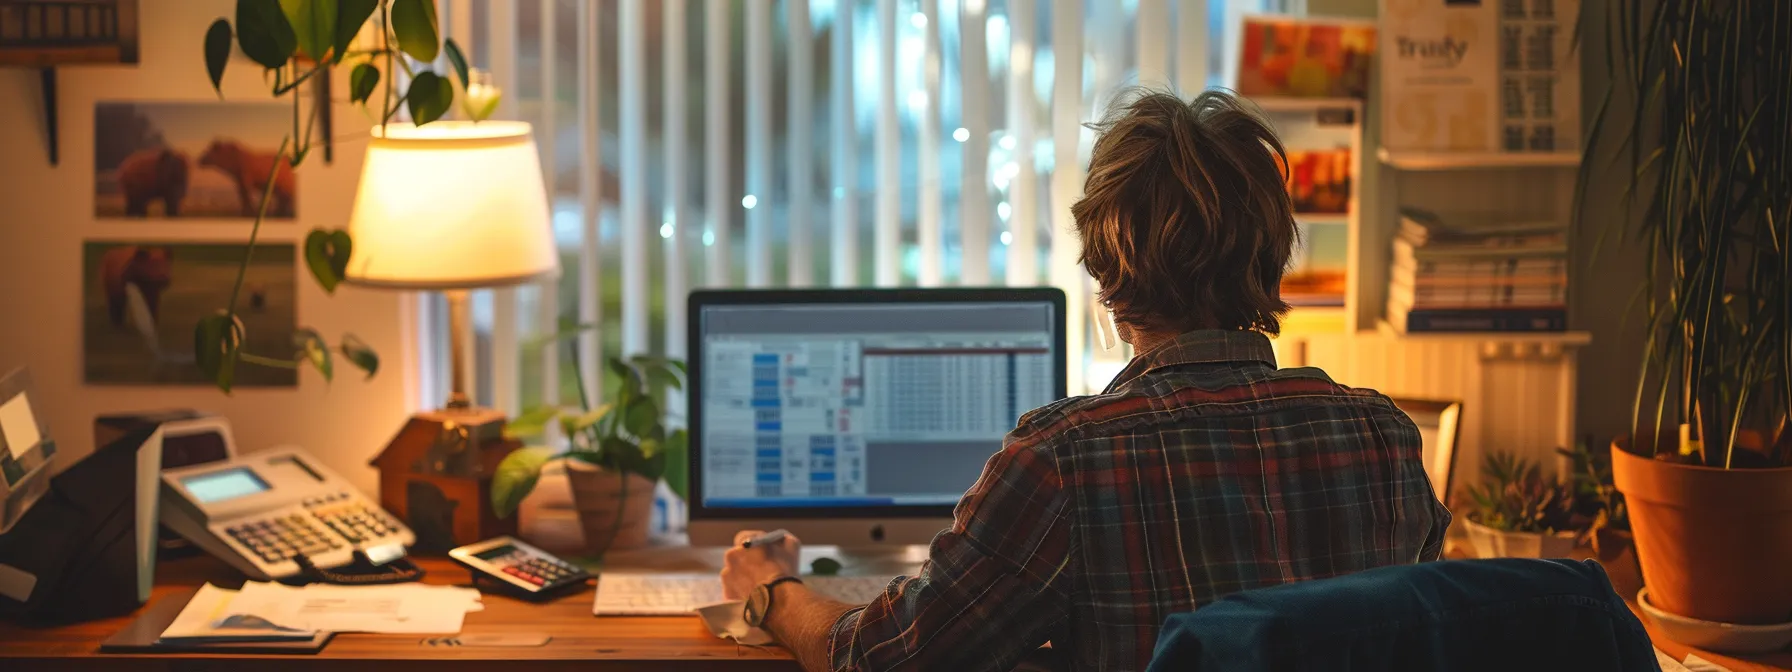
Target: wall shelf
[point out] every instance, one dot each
(1322, 218)
(1557, 337)
(1300, 104)
(1405, 160)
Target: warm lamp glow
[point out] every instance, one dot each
(451, 205)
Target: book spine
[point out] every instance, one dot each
(1486, 320)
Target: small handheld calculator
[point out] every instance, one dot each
(527, 571)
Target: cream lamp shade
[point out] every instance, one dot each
(451, 205)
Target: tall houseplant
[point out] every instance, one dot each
(1707, 146)
(294, 41)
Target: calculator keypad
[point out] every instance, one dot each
(536, 570)
(282, 537)
(350, 518)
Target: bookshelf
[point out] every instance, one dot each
(1325, 266)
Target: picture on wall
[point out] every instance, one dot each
(1319, 180)
(141, 300)
(44, 33)
(1285, 57)
(190, 160)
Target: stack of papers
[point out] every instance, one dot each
(275, 612)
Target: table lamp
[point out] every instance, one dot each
(449, 206)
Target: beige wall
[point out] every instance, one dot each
(46, 212)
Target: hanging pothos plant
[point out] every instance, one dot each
(294, 41)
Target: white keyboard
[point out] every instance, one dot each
(645, 594)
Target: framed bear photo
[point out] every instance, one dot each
(141, 300)
(191, 160)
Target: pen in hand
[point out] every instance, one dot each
(771, 537)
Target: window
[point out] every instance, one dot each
(563, 66)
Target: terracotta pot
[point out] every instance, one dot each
(1714, 544)
(572, 510)
(1492, 543)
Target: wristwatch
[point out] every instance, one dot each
(760, 602)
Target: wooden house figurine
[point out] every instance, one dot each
(436, 475)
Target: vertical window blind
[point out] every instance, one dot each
(751, 143)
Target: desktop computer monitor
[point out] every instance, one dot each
(858, 417)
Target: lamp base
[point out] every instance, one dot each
(436, 476)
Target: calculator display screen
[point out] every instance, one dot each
(495, 552)
(224, 485)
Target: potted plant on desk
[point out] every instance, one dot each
(1516, 513)
(615, 455)
(1698, 123)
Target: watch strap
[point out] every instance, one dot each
(768, 589)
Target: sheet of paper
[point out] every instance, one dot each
(1696, 664)
(212, 614)
(1667, 662)
(413, 609)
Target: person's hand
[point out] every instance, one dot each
(744, 569)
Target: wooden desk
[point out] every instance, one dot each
(580, 641)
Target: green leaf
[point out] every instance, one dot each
(313, 25)
(326, 254)
(629, 382)
(531, 422)
(623, 453)
(216, 343)
(641, 416)
(358, 354)
(429, 97)
(309, 346)
(660, 371)
(678, 464)
(485, 112)
(824, 567)
(653, 467)
(362, 81)
(458, 60)
(414, 24)
(586, 420)
(350, 16)
(217, 53)
(263, 33)
(651, 447)
(516, 477)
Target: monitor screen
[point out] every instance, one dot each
(218, 486)
(867, 404)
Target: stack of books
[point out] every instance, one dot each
(1478, 274)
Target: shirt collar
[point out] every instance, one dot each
(1199, 347)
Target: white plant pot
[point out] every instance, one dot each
(573, 510)
(1492, 543)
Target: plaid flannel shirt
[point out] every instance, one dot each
(1202, 471)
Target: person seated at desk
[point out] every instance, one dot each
(1202, 470)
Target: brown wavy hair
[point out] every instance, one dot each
(1185, 220)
